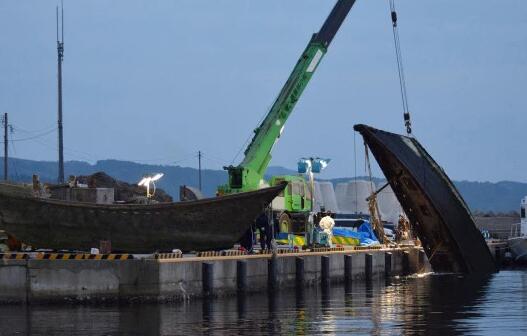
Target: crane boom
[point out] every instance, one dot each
(249, 173)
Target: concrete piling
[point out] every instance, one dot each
(324, 267)
(387, 264)
(272, 276)
(299, 273)
(406, 263)
(207, 278)
(368, 266)
(241, 275)
(348, 268)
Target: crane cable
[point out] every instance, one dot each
(373, 205)
(400, 69)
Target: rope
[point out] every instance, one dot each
(400, 69)
(373, 206)
(355, 178)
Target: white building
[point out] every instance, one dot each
(351, 196)
(389, 206)
(325, 197)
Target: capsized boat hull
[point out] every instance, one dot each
(213, 223)
(435, 208)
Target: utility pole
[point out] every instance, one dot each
(199, 169)
(5, 122)
(60, 58)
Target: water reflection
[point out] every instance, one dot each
(431, 305)
(444, 304)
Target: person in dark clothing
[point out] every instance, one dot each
(247, 241)
(266, 234)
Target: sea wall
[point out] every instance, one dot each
(36, 281)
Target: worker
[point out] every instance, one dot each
(266, 234)
(326, 224)
(247, 241)
(401, 232)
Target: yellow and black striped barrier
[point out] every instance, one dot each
(59, 256)
(328, 249)
(111, 256)
(82, 256)
(286, 251)
(320, 249)
(175, 255)
(14, 256)
(231, 253)
(336, 249)
(206, 254)
(362, 248)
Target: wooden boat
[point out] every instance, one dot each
(207, 224)
(436, 210)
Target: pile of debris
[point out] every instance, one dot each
(124, 192)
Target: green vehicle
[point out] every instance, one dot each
(249, 174)
(291, 208)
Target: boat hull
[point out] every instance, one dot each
(207, 224)
(435, 208)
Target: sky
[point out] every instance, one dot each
(156, 81)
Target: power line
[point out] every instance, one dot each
(83, 155)
(250, 137)
(40, 130)
(213, 158)
(71, 152)
(35, 136)
(14, 154)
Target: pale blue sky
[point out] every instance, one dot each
(158, 80)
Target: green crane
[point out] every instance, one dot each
(249, 174)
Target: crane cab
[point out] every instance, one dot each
(291, 207)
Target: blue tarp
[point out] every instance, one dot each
(364, 234)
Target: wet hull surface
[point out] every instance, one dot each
(213, 223)
(435, 208)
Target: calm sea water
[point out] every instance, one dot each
(434, 304)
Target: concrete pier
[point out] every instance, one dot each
(33, 280)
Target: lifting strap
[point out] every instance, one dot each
(400, 69)
(373, 206)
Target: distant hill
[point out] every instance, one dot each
(481, 196)
(131, 172)
(485, 197)
(497, 197)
